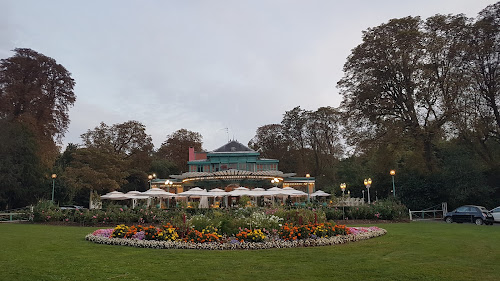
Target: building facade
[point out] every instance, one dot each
(230, 166)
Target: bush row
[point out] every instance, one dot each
(228, 220)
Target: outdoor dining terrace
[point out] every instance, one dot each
(216, 198)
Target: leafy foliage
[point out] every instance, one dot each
(176, 147)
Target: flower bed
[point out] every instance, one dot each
(288, 236)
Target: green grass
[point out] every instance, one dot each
(410, 251)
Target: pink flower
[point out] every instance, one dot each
(121, 209)
(94, 217)
(66, 219)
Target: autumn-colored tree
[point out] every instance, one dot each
(37, 91)
(176, 147)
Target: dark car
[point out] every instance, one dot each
(469, 213)
(71, 207)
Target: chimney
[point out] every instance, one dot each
(191, 154)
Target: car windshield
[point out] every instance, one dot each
(483, 209)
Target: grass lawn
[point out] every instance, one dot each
(409, 251)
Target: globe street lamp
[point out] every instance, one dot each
(150, 179)
(393, 173)
(343, 186)
(308, 188)
(54, 176)
(275, 181)
(368, 183)
(168, 183)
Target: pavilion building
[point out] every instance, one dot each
(233, 165)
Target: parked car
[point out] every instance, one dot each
(71, 207)
(496, 214)
(469, 213)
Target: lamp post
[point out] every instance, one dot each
(168, 183)
(363, 196)
(150, 179)
(308, 193)
(393, 173)
(343, 186)
(54, 176)
(368, 183)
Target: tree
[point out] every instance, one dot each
(269, 141)
(485, 55)
(125, 139)
(21, 173)
(323, 136)
(404, 80)
(294, 130)
(94, 169)
(36, 89)
(176, 147)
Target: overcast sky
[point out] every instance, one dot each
(201, 65)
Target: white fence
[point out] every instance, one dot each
(433, 213)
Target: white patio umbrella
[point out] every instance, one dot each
(217, 192)
(159, 193)
(257, 192)
(135, 195)
(320, 193)
(274, 191)
(114, 195)
(292, 192)
(195, 191)
(240, 191)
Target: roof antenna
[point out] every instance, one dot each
(227, 133)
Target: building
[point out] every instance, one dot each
(230, 166)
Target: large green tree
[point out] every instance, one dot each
(176, 147)
(94, 169)
(22, 179)
(404, 80)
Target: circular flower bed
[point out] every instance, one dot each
(288, 236)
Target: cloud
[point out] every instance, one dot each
(201, 65)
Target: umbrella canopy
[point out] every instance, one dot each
(259, 191)
(320, 193)
(195, 191)
(240, 191)
(158, 192)
(288, 191)
(114, 195)
(136, 195)
(217, 192)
